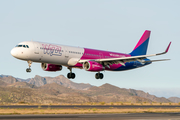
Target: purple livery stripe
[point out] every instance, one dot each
(144, 37)
(142, 45)
(92, 54)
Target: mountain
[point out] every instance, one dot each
(64, 94)
(110, 93)
(8, 79)
(1, 76)
(2, 83)
(61, 90)
(23, 80)
(108, 89)
(29, 95)
(18, 79)
(174, 99)
(148, 96)
(49, 93)
(50, 88)
(55, 93)
(21, 85)
(61, 80)
(40, 81)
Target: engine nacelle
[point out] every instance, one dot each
(51, 67)
(93, 66)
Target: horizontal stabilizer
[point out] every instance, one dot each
(156, 60)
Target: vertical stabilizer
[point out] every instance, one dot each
(142, 45)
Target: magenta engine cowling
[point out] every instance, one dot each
(51, 67)
(93, 66)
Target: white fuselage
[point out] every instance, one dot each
(48, 53)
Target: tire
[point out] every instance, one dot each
(101, 76)
(73, 75)
(28, 70)
(69, 76)
(97, 76)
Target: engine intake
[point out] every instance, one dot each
(51, 67)
(93, 66)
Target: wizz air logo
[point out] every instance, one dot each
(52, 49)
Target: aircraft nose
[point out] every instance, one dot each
(14, 52)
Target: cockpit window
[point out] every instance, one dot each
(18, 45)
(25, 46)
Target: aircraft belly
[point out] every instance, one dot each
(131, 65)
(54, 60)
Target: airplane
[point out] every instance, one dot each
(53, 56)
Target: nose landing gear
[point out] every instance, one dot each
(29, 64)
(28, 70)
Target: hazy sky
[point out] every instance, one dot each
(114, 25)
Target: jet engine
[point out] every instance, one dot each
(51, 67)
(93, 66)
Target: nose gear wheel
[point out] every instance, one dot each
(29, 64)
(28, 70)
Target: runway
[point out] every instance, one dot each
(90, 106)
(128, 116)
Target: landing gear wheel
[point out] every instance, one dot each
(29, 64)
(28, 70)
(99, 76)
(71, 75)
(68, 76)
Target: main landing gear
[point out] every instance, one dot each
(71, 75)
(29, 64)
(99, 75)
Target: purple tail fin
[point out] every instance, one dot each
(142, 45)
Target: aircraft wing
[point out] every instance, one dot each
(122, 60)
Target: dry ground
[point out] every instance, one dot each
(84, 111)
(92, 103)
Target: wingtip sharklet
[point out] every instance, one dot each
(168, 47)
